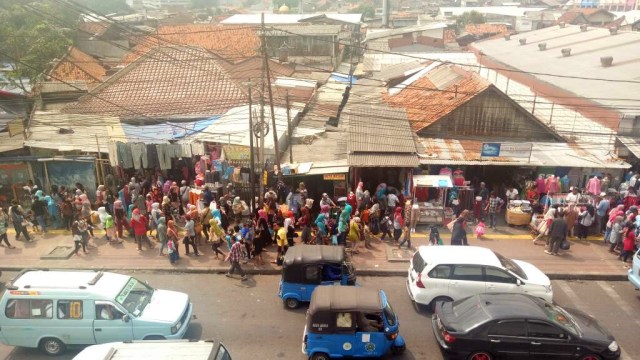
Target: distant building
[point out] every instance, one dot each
(159, 4)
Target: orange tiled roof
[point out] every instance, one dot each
(233, 43)
(486, 29)
(569, 17)
(449, 36)
(170, 81)
(77, 65)
(426, 104)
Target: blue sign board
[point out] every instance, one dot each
(490, 150)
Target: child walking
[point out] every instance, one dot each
(434, 236)
(480, 229)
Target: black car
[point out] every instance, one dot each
(518, 326)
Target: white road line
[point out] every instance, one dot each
(579, 304)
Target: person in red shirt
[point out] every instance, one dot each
(629, 243)
(139, 224)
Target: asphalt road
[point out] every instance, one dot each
(252, 320)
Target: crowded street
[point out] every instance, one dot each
(252, 320)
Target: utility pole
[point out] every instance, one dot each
(252, 165)
(289, 129)
(273, 115)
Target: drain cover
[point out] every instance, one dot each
(58, 253)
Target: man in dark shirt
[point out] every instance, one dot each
(557, 233)
(39, 208)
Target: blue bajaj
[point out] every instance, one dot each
(344, 321)
(306, 267)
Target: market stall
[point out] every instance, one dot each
(430, 193)
(518, 212)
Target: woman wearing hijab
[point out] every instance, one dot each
(52, 209)
(85, 213)
(289, 226)
(354, 234)
(154, 215)
(459, 229)
(571, 214)
(343, 223)
(616, 232)
(351, 200)
(398, 224)
(172, 237)
(161, 232)
(585, 220)
(216, 234)
(545, 225)
(139, 225)
(321, 221)
(615, 212)
(120, 217)
(360, 196)
(237, 209)
(263, 237)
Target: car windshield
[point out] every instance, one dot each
(559, 316)
(389, 314)
(223, 354)
(511, 266)
(469, 313)
(135, 296)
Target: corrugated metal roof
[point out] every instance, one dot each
(8, 143)
(372, 35)
(631, 144)
(383, 160)
(587, 47)
(304, 30)
(378, 129)
(374, 62)
(467, 152)
(288, 18)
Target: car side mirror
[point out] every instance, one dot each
(126, 318)
(518, 282)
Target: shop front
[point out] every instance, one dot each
(330, 177)
(13, 177)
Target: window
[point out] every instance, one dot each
(440, 272)
(508, 328)
(418, 262)
(312, 274)
(29, 309)
(106, 311)
(545, 331)
(69, 309)
(344, 321)
(498, 276)
(468, 273)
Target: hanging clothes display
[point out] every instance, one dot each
(124, 155)
(113, 153)
(139, 155)
(152, 156)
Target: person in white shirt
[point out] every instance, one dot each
(573, 196)
(512, 193)
(392, 200)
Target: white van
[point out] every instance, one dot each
(156, 350)
(449, 273)
(51, 310)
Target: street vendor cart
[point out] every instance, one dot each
(430, 193)
(518, 213)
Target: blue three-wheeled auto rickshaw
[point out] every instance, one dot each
(350, 321)
(306, 267)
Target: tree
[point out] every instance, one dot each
(467, 18)
(32, 35)
(367, 9)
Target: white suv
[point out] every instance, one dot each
(449, 273)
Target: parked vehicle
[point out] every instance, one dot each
(307, 266)
(350, 321)
(156, 350)
(634, 272)
(448, 273)
(51, 310)
(519, 326)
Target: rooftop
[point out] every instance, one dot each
(493, 10)
(167, 81)
(622, 78)
(304, 30)
(77, 65)
(271, 19)
(377, 34)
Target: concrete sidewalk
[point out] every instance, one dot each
(585, 260)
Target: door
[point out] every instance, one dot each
(312, 277)
(548, 341)
(466, 280)
(508, 339)
(500, 281)
(370, 338)
(110, 324)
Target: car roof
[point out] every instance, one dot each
(156, 349)
(77, 281)
(313, 254)
(448, 254)
(501, 306)
(345, 298)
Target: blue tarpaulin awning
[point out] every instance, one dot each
(163, 132)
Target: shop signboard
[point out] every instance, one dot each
(236, 152)
(334, 177)
(512, 150)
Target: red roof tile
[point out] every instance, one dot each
(450, 36)
(234, 43)
(483, 30)
(77, 65)
(425, 103)
(165, 82)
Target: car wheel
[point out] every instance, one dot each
(52, 346)
(398, 349)
(319, 356)
(291, 303)
(480, 355)
(432, 306)
(591, 357)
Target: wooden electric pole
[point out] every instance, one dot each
(273, 115)
(252, 165)
(290, 137)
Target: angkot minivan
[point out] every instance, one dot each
(449, 273)
(52, 310)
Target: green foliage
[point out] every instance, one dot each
(467, 18)
(32, 35)
(367, 9)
